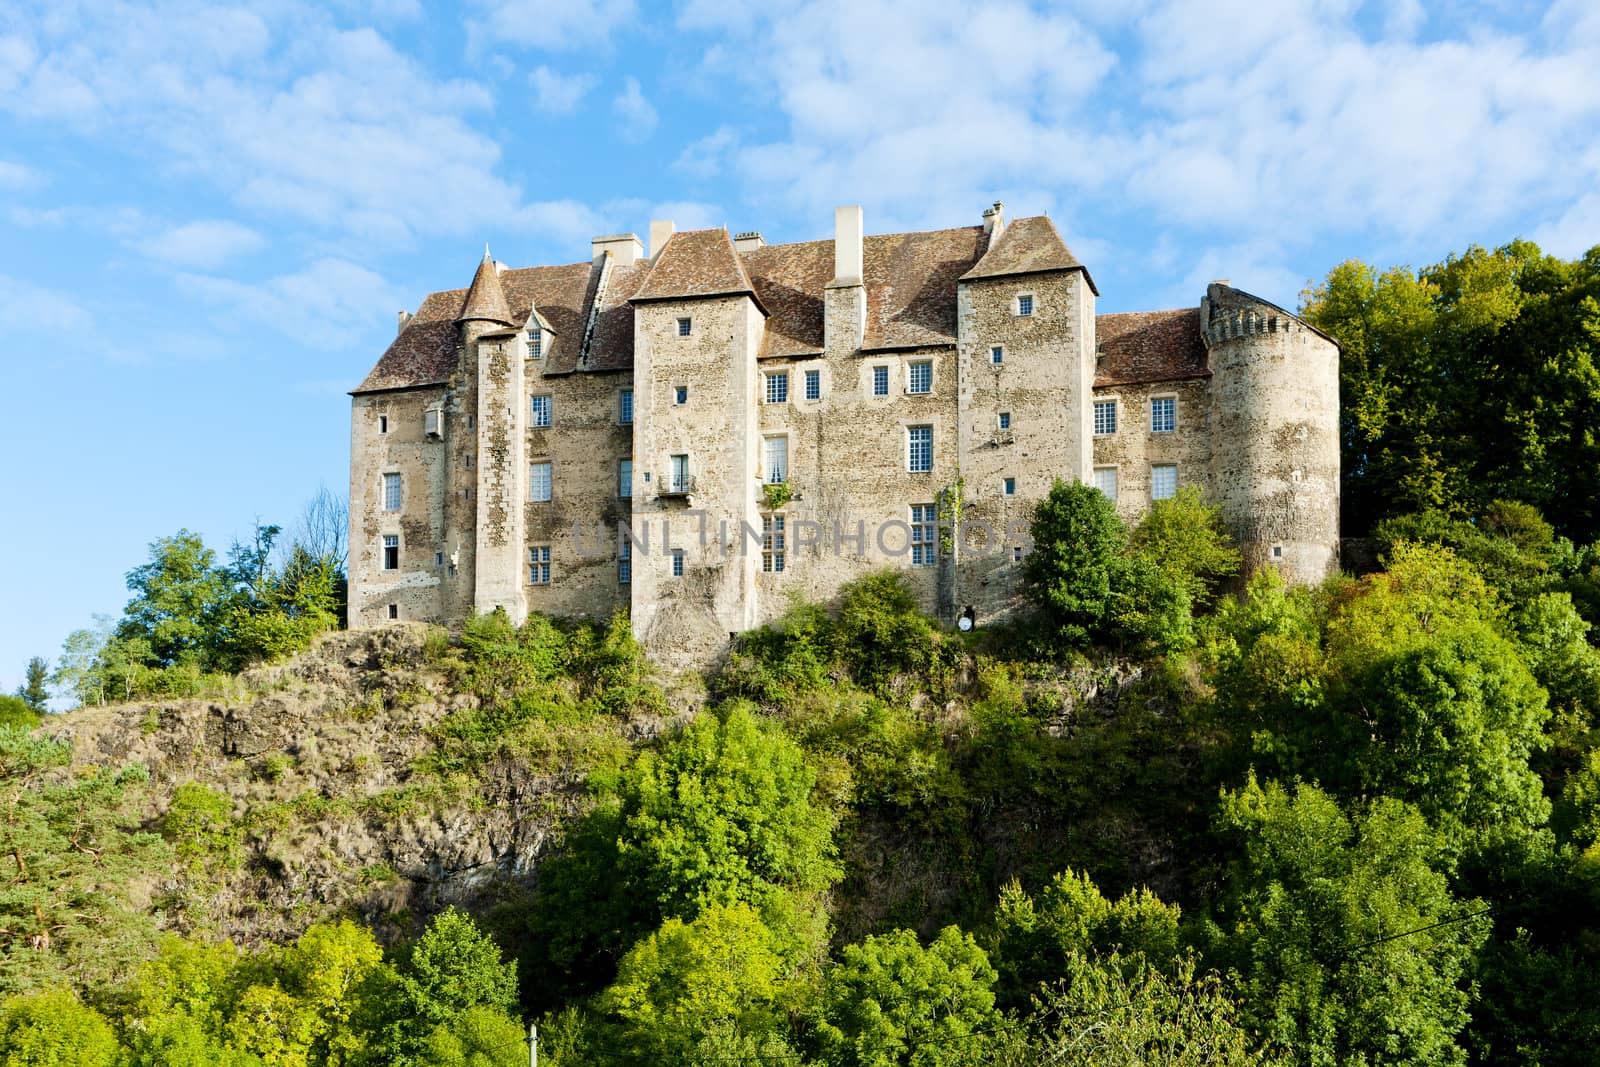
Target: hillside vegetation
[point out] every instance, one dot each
(1172, 816)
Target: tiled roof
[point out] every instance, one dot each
(485, 299)
(1027, 246)
(788, 280)
(695, 263)
(425, 351)
(611, 345)
(1149, 346)
(911, 285)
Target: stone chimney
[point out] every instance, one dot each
(625, 248)
(405, 320)
(844, 308)
(748, 241)
(994, 220)
(660, 230)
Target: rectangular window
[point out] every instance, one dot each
(997, 354)
(924, 531)
(1163, 414)
(625, 478)
(813, 385)
(539, 482)
(776, 460)
(624, 561)
(919, 378)
(1009, 487)
(1016, 553)
(391, 492)
(919, 455)
(1163, 481)
(880, 381)
(677, 563)
(1005, 420)
(1105, 480)
(1105, 417)
(684, 326)
(433, 422)
(542, 407)
(394, 611)
(778, 387)
(625, 407)
(1025, 304)
(539, 564)
(680, 474)
(383, 424)
(772, 543)
(391, 552)
(680, 394)
(535, 344)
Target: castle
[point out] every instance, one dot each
(700, 433)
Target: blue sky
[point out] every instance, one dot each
(209, 215)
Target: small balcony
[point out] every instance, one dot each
(676, 487)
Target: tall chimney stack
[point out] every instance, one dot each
(994, 220)
(844, 307)
(847, 245)
(660, 230)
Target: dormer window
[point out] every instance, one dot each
(535, 344)
(1025, 304)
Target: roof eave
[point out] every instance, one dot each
(971, 277)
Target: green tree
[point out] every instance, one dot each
(34, 690)
(1347, 941)
(687, 981)
(1069, 573)
(1185, 538)
(70, 850)
(15, 712)
(176, 599)
(1037, 939)
(477, 1037)
(53, 1028)
(891, 1001)
(200, 823)
(1117, 1013)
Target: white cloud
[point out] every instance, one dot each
(292, 116)
(1234, 121)
(26, 306)
(558, 94)
(638, 118)
(560, 24)
(208, 243)
(19, 176)
(329, 304)
(706, 157)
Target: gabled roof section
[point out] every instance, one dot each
(425, 351)
(486, 300)
(911, 285)
(1027, 246)
(696, 263)
(789, 282)
(1138, 347)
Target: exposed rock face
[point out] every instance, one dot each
(319, 757)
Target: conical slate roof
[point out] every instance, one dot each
(486, 300)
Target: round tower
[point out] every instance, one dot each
(1274, 433)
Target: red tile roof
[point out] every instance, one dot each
(911, 285)
(1149, 346)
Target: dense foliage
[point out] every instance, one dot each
(1472, 380)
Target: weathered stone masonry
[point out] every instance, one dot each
(870, 375)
